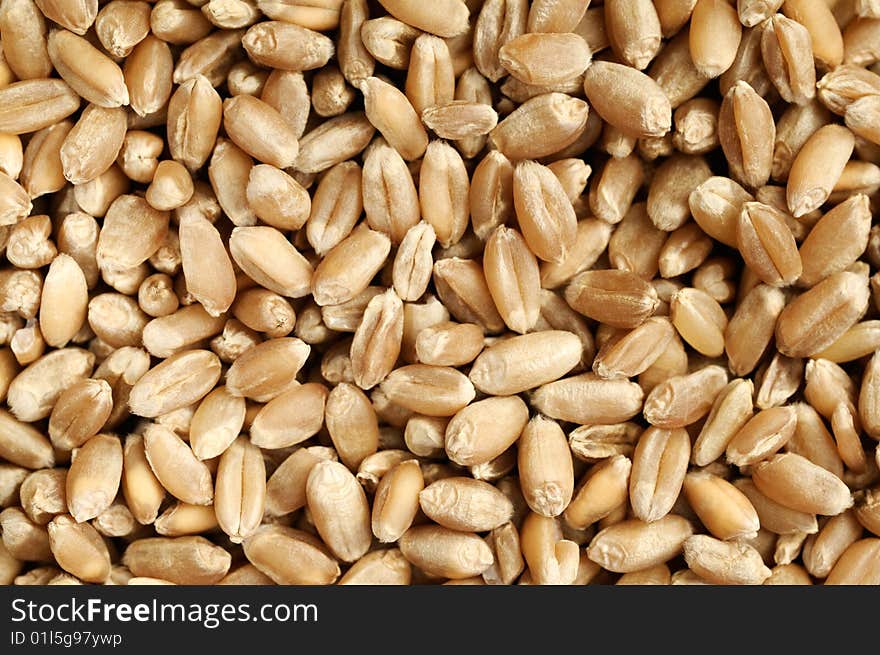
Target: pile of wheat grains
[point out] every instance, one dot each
(466, 292)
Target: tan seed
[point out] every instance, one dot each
(355, 60)
(449, 344)
(722, 508)
(287, 46)
(460, 120)
(206, 265)
(591, 238)
(268, 369)
(812, 440)
(376, 466)
(714, 36)
(816, 319)
(634, 352)
(141, 489)
(762, 436)
(63, 301)
(389, 40)
(430, 78)
(587, 399)
(786, 49)
(540, 126)
(603, 489)
(857, 565)
(379, 567)
(555, 15)
(545, 59)
(633, 545)
(444, 192)
(593, 443)
(795, 482)
(286, 487)
(807, 188)
(290, 556)
(696, 126)
(352, 424)
(491, 197)
(22, 538)
(176, 466)
(184, 560)
(178, 23)
(634, 31)
(499, 22)
(859, 341)
(673, 182)
(87, 70)
(24, 28)
(869, 397)
(91, 147)
(659, 466)
(290, 418)
(545, 214)
(178, 381)
(552, 559)
(350, 266)
(823, 549)
(617, 298)
(333, 142)
(751, 327)
(34, 391)
(448, 18)
(720, 562)
(700, 320)
(94, 477)
(148, 73)
(545, 467)
(507, 549)
(628, 99)
(613, 190)
(195, 112)
(730, 412)
(42, 493)
(167, 335)
(397, 501)
(445, 553)
(465, 504)
(684, 399)
(846, 429)
(34, 104)
(79, 549)
(676, 72)
(335, 207)
(271, 260)
(240, 490)
(655, 575)
(513, 279)
(716, 205)
(81, 411)
(171, 187)
(376, 344)
(684, 250)
(131, 233)
(525, 362)
(393, 115)
(216, 423)
(430, 390)
(825, 250)
(183, 519)
(746, 132)
(483, 430)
